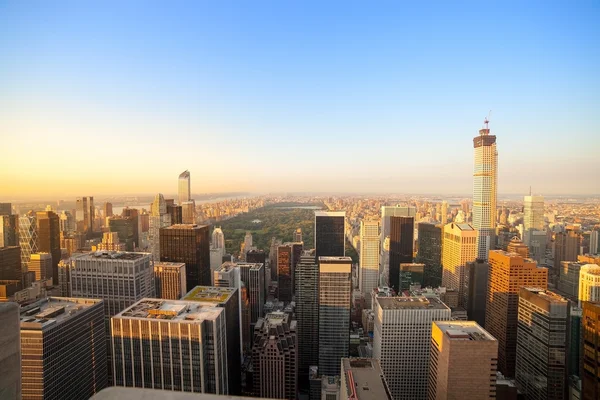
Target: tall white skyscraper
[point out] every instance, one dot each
(159, 218)
(184, 188)
(369, 258)
(533, 213)
(485, 190)
(218, 239)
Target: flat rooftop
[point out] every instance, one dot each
(335, 258)
(185, 226)
(364, 379)
(52, 311)
(513, 255)
(412, 302)
(210, 294)
(169, 264)
(330, 213)
(252, 266)
(543, 294)
(463, 330)
(112, 255)
(126, 393)
(171, 310)
(591, 269)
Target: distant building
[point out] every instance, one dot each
(589, 283)
(460, 247)
(566, 247)
(275, 357)
(5, 208)
(188, 244)
(127, 229)
(63, 348)
(517, 246)
(590, 323)
(430, 252)
(184, 187)
(9, 230)
(401, 342)
(111, 242)
(411, 274)
(176, 213)
(41, 265)
(252, 275)
(28, 238)
(85, 214)
(401, 247)
(108, 209)
(335, 289)
(329, 233)
(362, 379)
(463, 360)
(218, 239)
(64, 277)
(595, 241)
(307, 314)
(10, 264)
(195, 359)
(507, 274)
(368, 277)
(169, 280)
(297, 237)
(393, 211)
(159, 218)
(541, 365)
(188, 212)
(568, 279)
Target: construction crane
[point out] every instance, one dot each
(486, 121)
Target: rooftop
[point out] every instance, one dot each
(543, 294)
(112, 255)
(513, 255)
(335, 258)
(168, 264)
(412, 302)
(364, 379)
(252, 266)
(172, 310)
(591, 269)
(185, 226)
(210, 294)
(125, 393)
(330, 213)
(463, 330)
(53, 310)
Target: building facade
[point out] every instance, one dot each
(169, 280)
(48, 228)
(590, 324)
(476, 281)
(284, 273)
(41, 265)
(460, 247)
(159, 218)
(329, 233)
(589, 283)
(429, 252)
(307, 314)
(85, 213)
(368, 276)
(28, 238)
(184, 190)
(402, 231)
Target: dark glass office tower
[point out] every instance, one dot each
(284, 273)
(189, 244)
(329, 233)
(430, 253)
(9, 230)
(307, 315)
(48, 226)
(126, 227)
(401, 246)
(259, 257)
(10, 264)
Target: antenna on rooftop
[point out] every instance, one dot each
(486, 121)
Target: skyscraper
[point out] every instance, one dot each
(275, 357)
(362, 379)
(533, 218)
(595, 241)
(218, 239)
(85, 214)
(9, 230)
(541, 365)
(169, 280)
(188, 212)
(463, 361)
(184, 187)
(476, 281)
(402, 231)
(507, 274)
(284, 273)
(590, 323)
(253, 276)
(460, 247)
(444, 219)
(307, 314)
(335, 289)
(517, 246)
(67, 223)
(566, 247)
(589, 283)
(28, 238)
(171, 345)
(329, 233)
(485, 190)
(393, 211)
(108, 209)
(430, 252)
(48, 228)
(189, 244)
(159, 218)
(63, 348)
(41, 265)
(5, 208)
(401, 342)
(368, 276)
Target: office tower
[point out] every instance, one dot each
(41, 265)
(188, 244)
(10, 352)
(401, 342)
(216, 260)
(362, 379)
(64, 277)
(227, 298)
(589, 283)
(273, 257)
(541, 366)
(48, 228)
(297, 237)
(537, 244)
(485, 186)
(253, 276)
(444, 219)
(67, 223)
(108, 210)
(171, 345)
(85, 214)
(228, 275)
(568, 279)
(184, 191)
(411, 274)
(259, 257)
(533, 213)
(176, 213)
(595, 241)
(28, 238)
(393, 211)
(430, 252)
(476, 281)
(5, 208)
(111, 242)
(275, 357)
(307, 314)
(169, 280)
(460, 247)
(159, 218)
(368, 275)
(401, 247)
(10, 264)
(507, 274)
(218, 239)
(188, 212)
(590, 325)
(63, 348)
(284, 273)
(463, 361)
(329, 233)
(126, 228)
(574, 342)
(9, 230)
(517, 246)
(297, 249)
(335, 289)
(566, 247)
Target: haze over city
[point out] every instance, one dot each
(270, 97)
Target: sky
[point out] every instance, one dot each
(270, 96)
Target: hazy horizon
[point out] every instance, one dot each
(277, 97)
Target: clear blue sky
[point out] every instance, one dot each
(120, 97)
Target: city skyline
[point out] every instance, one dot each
(210, 80)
